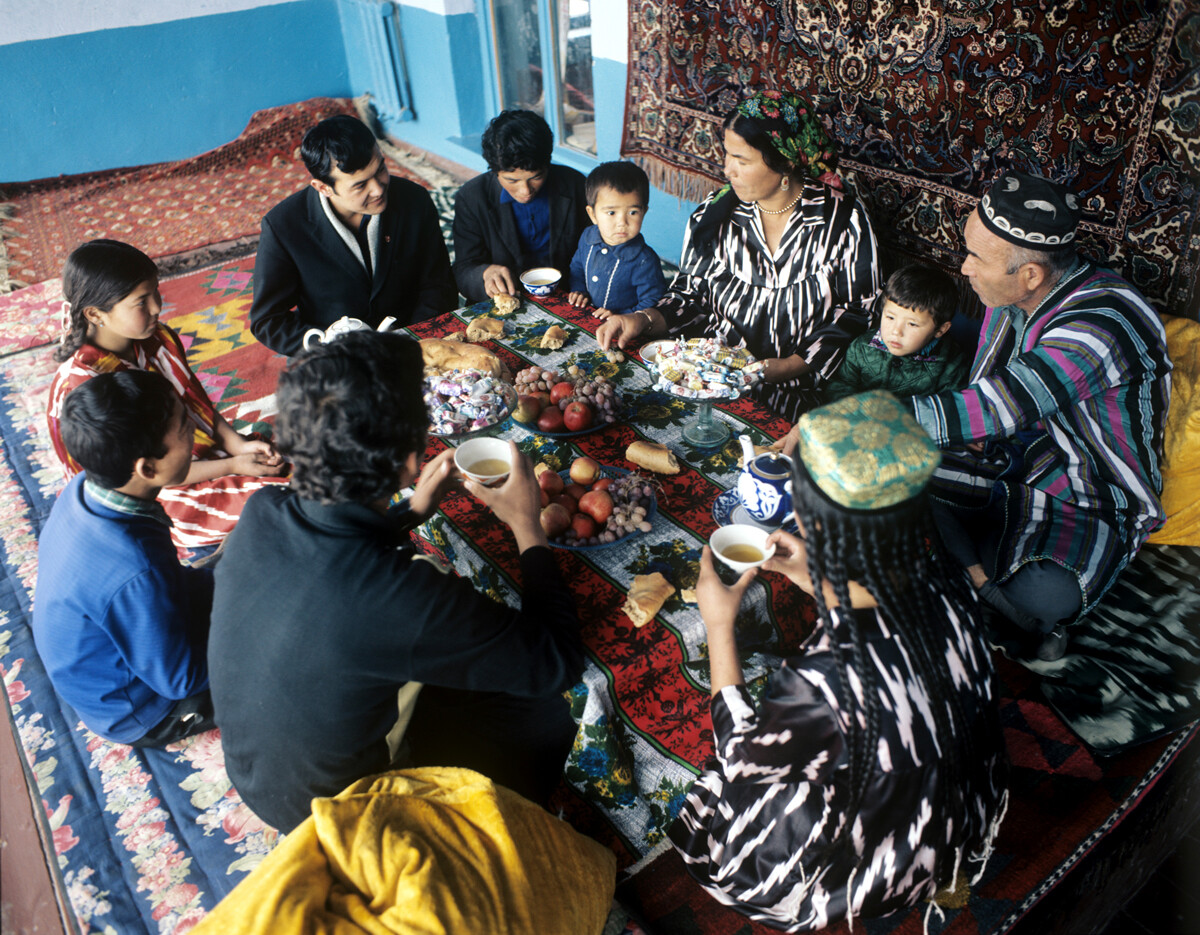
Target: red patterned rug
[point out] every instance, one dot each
(168, 208)
(931, 101)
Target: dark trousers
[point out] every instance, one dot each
(187, 718)
(520, 743)
(1044, 591)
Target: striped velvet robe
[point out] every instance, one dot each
(807, 299)
(1088, 373)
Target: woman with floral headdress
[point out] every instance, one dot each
(781, 260)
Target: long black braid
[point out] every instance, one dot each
(98, 274)
(895, 554)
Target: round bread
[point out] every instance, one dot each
(443, 356)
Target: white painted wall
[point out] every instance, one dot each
(610, 30)
(24, 20)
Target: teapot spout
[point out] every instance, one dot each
(747, 449)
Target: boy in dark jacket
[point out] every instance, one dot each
(907, 355)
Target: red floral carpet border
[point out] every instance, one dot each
(931, 101)
(166, 208)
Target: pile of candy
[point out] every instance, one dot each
(703, 368)
(464, 400)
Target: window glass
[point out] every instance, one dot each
(577, 118)
(519, 54)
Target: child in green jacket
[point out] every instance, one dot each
(909, 355)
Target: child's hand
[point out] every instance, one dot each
(257, 464)
(602, 313)
(579, 299)
(263, 451)
(437, 477)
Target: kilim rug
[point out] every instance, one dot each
(930, 101)
(174, 208)
(148, 841)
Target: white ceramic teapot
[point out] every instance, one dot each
(343, 325)
(763, 484)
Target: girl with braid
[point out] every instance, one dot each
(872, 773)
(111, 323)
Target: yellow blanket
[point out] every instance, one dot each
(426, 851)
(1181, 440)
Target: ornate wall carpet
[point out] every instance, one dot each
(930, 100)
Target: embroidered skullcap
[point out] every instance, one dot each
(795, 131)
(1030, 211)
(866, 452)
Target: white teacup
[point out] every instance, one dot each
(741, 546)
(486, 461)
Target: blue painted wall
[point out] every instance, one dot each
(124, 97)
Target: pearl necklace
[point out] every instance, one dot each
(788, 207)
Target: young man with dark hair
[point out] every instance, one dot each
(119, 624)
(320, 643)
(614, 269)
(522, 213)
(911, 353)
(356, 243)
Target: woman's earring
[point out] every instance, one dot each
(785, 183)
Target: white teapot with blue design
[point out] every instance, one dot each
(763, 484)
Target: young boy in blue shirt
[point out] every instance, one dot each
(911, 354)
(120, 625)
(614, 269)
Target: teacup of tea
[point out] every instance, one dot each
(741, 546)
(486, 461)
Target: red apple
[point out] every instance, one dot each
(584, 526)
(551, 420)
(542, 397)
(561, 391)
(550, 482)
(603, 483)
(528, 409)
(576, 490)
(598, 504)
(545, 498)
(578, 416)
(570, 502)
(555, 520)
(584, 470)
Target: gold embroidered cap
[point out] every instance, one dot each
(866, 452)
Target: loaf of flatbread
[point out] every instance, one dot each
(554, 338)
(484, 329)
(504, 304)
(442, 356)
(653, 457)
(646, 597)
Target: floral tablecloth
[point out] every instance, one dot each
(643, 702)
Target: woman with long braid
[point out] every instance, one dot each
(872, 774)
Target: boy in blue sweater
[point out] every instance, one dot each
(120, 625)
(614, 269)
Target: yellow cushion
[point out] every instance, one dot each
(426, 851)
(1181, 442)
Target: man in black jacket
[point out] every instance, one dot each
(523, 212)
(357, 242)
(327, 622)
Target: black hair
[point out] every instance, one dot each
(341, 142)
(622, 177)
(350, 413)
(924, 289)
(897, 556)
(518, 139)
(113, 419)
(98, 274)
(756, 136)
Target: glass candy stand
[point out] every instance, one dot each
(704, 431)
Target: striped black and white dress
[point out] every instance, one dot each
(794, 302)
(757, 827)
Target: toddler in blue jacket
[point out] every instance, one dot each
(120, 625)
(614, 269)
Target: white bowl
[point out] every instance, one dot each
(540, 280)
(475, 450)
(744, 536)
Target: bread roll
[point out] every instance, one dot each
(504, 304)
(653, 457)
(442, 356)
(646, 597)
(554, 338)
(484, 329)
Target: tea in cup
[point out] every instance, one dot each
(486, 461)
(741, 546)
